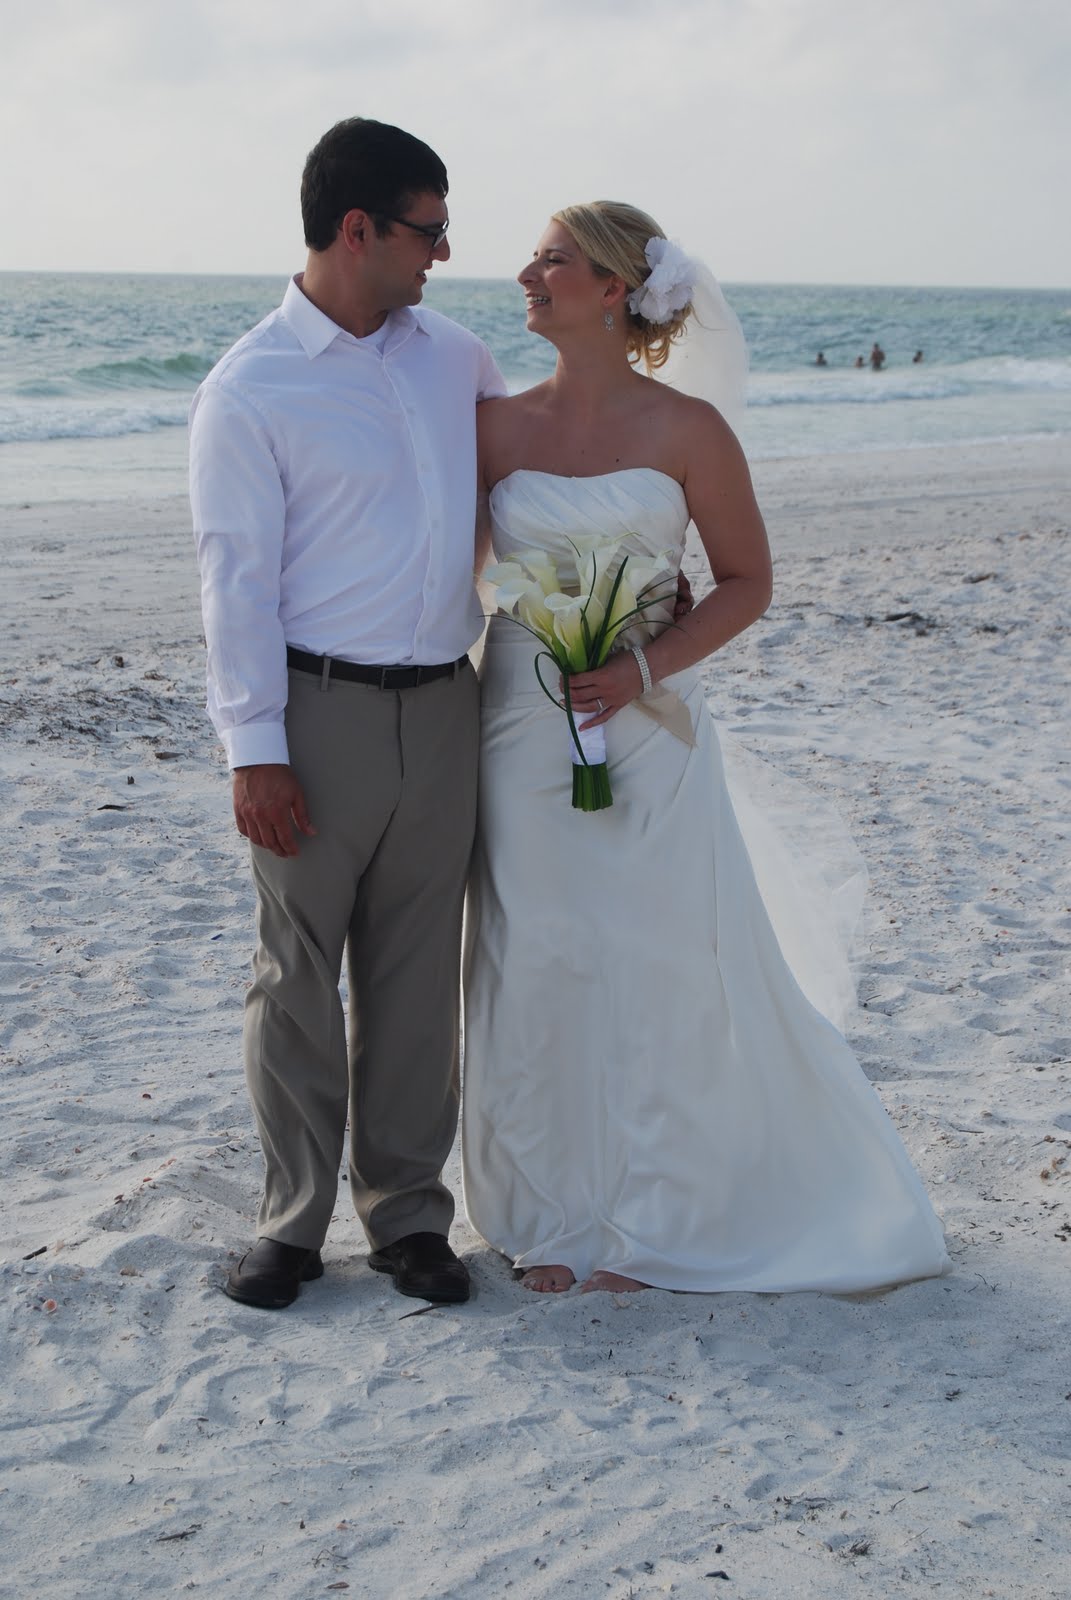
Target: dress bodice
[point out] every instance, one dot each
(533, 510)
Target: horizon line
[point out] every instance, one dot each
(450, 277)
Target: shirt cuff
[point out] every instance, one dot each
(256, 744)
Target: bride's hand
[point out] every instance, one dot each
(599, 695)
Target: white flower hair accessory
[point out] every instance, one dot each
(669, 286)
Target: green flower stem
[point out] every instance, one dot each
(591, 788)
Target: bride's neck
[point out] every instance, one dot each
(588, 377)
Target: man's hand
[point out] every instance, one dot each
(684, 601)
(269, 805)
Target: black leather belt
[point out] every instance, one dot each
(328, 667)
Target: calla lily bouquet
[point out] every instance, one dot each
(579, 629)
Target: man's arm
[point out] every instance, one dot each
(239, 514)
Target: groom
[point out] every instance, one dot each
(333, 487)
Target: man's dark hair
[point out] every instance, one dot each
(364, 165)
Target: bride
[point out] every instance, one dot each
(649, 1097)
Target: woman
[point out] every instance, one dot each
(650, 1100)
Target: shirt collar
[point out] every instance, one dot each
(314, 330)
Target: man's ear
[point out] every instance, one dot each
(355, 229)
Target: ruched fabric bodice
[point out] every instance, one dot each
(539, 511)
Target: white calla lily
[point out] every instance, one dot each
(650, 575)
(584, 543)
(654, 584)
(523, 595)
(542, 569)
(622, 611)
(502, 571)
(577, 619)
(508, 593)
(597, 559)
(533, 610)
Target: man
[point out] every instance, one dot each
(333, 486)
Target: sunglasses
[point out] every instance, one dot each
(433, 232)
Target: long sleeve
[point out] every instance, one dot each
(239, 517)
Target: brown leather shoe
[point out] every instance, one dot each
(271, 1274)
(424, 1266)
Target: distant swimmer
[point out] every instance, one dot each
(916, 358)
(859, 361)
(820, 360)
(877, 357)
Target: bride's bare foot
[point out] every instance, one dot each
(613, 1282)
(548, 1280)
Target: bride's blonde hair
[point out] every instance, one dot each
(613, 236)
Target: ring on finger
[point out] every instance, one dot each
(600, 705)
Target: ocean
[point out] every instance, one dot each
(97, 370)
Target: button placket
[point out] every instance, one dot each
(423, 456)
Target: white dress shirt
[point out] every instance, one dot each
(333, 487)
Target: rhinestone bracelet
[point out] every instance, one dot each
(645, 671)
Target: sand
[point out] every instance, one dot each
(159, 1439)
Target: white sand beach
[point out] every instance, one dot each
(159, 1439)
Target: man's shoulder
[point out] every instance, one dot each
(460, 352)
(255, 352)
(252, 373)
(446, 332)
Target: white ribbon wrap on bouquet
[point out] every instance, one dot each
(593, 744)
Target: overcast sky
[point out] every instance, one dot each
(810, 141)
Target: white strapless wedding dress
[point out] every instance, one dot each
(647, 1089)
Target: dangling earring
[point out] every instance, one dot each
(608, 321)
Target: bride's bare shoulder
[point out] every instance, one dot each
(683, 410)
(501, 421)
(685, 427)
(508, 410)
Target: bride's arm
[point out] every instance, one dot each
(717, 485)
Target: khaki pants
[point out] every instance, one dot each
(390, 781)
